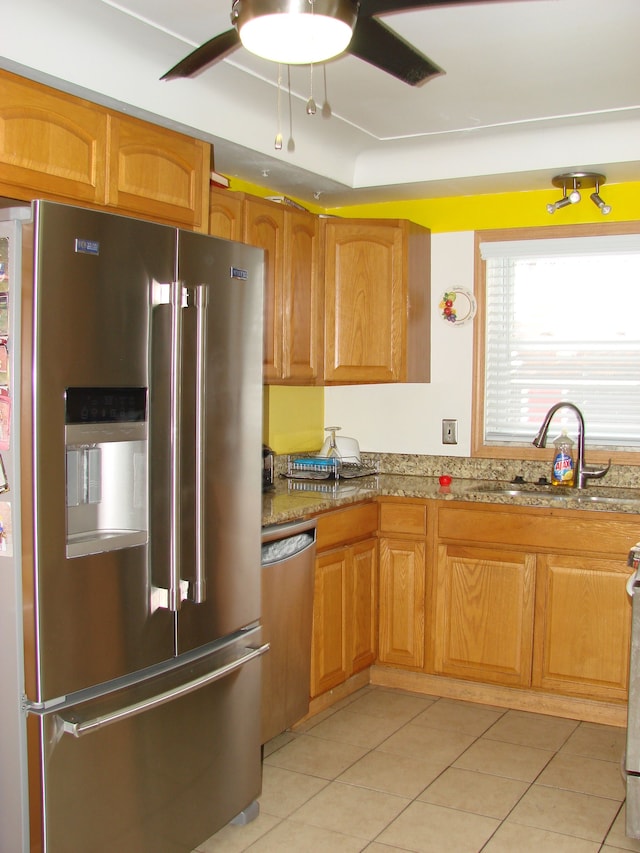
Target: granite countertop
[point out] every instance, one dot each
(295, 499)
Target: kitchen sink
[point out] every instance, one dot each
(612, 496)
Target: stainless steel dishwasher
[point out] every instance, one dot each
(288, 554)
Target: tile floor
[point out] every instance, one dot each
(386, 770)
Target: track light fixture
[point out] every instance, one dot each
(578, 181)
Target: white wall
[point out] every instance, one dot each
(408, 418)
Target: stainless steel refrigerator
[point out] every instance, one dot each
(130, 505)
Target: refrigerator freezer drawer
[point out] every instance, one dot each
(159, 780)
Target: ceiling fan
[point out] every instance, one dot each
(371, 40)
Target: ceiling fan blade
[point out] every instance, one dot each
(211, 51)
(380, 46)
(381, 7)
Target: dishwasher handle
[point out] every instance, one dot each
(289, 528)
(284, 541)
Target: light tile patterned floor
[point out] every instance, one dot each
(386, 770)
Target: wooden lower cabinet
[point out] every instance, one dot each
(402, 602)
(484, 617)
(534, 598)
(583, 626)
(402, 569)
(329, 665)
(345, 598)
(362, 601)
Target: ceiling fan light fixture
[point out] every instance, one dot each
(295, 32)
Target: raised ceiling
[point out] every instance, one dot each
(532, 88)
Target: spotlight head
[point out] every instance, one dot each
(574, 196)
(604, 208)
(562, 202)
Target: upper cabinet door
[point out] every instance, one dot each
(157, 173)
(51, 144)
(377, 301)
(302, 300)
(225, 213)
(264, 227)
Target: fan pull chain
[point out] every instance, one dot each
(311, 104)
(291, 145)
(278, 141)
(326, 106)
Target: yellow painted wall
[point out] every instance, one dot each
(504, 210)
(293, 418)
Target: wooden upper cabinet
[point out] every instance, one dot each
(158, 173)
(57, 146)
(293, 295)
(377, 301)
(225, 213)
(51, 144)
(302, 300)
(264, 227)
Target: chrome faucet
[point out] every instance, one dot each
(584, 472)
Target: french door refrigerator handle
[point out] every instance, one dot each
(198, 591)
(176, 589)
(175, 295)
(76, 727)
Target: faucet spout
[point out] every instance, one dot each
(583, 471)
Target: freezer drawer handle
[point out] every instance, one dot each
(77, 728)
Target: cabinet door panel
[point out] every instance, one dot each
(363, 624)
(302, 295)
(364, 328)
(158, 173)
(402, 602)
(484, 614)
(583, 626)
(51, 144)
(329, 665)
(225, 214)
(264, 227)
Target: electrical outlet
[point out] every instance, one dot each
(449, 431)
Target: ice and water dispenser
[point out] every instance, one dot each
(106, 469)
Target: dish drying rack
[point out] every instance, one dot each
(326, 468)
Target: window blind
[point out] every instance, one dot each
(563, 323)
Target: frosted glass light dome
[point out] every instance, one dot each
(295, 32)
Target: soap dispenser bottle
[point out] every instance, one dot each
(563, 471)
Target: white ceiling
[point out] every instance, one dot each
(532, 88)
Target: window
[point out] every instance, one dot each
(560, 320)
